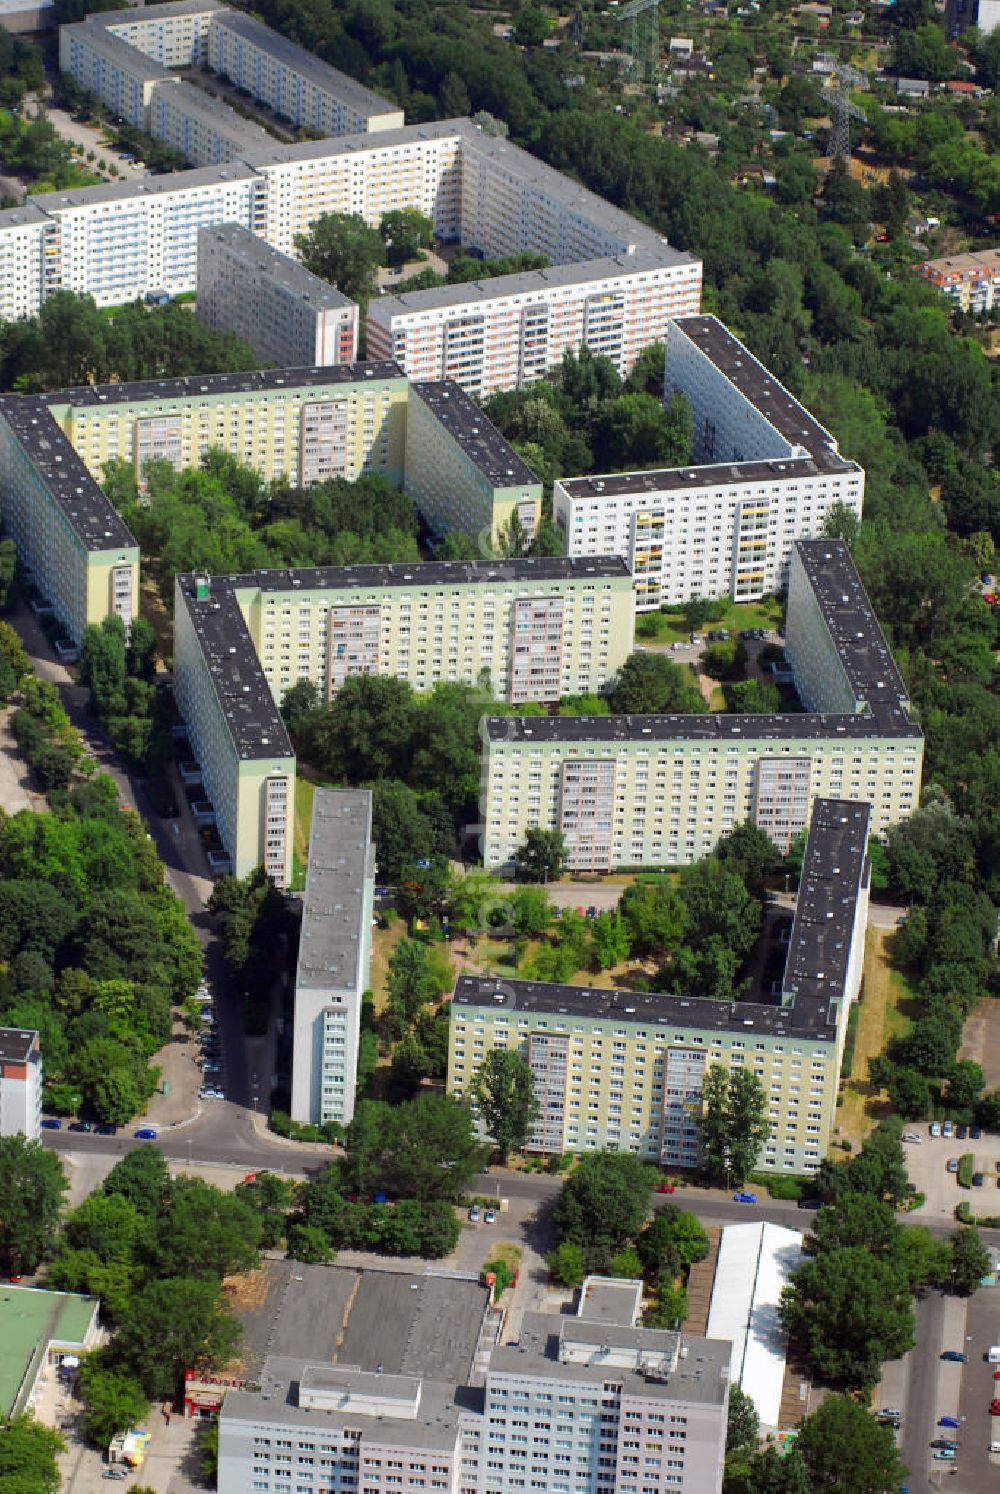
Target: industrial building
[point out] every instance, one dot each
(20, 1083)
(623, 1070)
(39, 1330)
(301, 425)
(754, 1265)
(428, 1398)
(289, 317)
(763, 474)
(505, 332)
(537, 629)
(334, 960)
(654, 790)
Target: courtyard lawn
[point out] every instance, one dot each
(670, 627)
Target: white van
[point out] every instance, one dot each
(993, 1354)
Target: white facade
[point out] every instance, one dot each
(288, 316)
(205, 131)
(23, 234)
(20, 1083)
(507, 332)
(764, 474)
(334, 957)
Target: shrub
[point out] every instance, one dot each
(966, 1167)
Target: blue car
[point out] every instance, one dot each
(949, 1421)
(744, 1198)
(51, 1125)
(145, 1134)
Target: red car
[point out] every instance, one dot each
(995, 1408)
(666, 1187)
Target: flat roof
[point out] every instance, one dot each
(259, 256)
(29, 212)
(17, 1044)
(194, 101)
(522, 283)
(341, 857)
(608, 1300)
(434, 1427)
(478, 437)
(646, 485)
(834, 869)
(725, 729)
(861, 647)
(418, 1324)
(91, 513)
(130, 58)
(755, 383)
(700, 1371)
(347, 90)
(640, 1008)
(194, 386)
(141, 187)
(29, 1320)
(973, 262)
(754, 1265)
(142, 14)
(240, 685)
(522, 571)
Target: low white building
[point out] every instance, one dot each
(334, 957)
(764, 473)
(20, 1083)
(754, 1266)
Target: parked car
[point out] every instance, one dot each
(912, 1136)
(944, 1442)
(947, 1129)
(744, 1198)
(978, 1180)
(490, 1217)
(145, 1133)
(945, 1454)
(80, 1126)
(666, 1187)
(809, 1203)
(949, 1421)
(954, 1357)
(475, 1214)
(975, 1133)
(695, 638)
(107, 1130)
(51, 1125)
(995, 1408)
(952, 1164)
(961, 1132)
(935, 1128)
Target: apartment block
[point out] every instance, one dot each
(23, 260)
(334, 956)
(972, 281)
(204, 130)
(121, 56)
(118, 240)
(68, 534)
(536, 628)
(506, 332)
(654, 790)
(463, 474)
(624, 1070)
(20, 1083)
(764, 474)
(428, 1399)
(289, 317)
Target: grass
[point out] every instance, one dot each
(670, 627)
(304, 794)
(882, 1015)
(966, 1167)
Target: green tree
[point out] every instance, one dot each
(566, 1264)
(609, 940)
(405, 232)
(341, 248)
(203, 1231)
(649, 684)
(112, 1401)
(743, 1423)
(32, 1184)
(503, 1091)
(141, 1178)
(436, 1153)
(636, 430)
(28, 1452)
(970, 1261)
(849, 1312)
(541, 856)
(656, 917)
(733, 1126)
(845, 1450)
(625, 1264)
(530, 26)
(174, 1324)
(271, 1198)
(602, 1206)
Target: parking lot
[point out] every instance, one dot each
(927, 1163)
